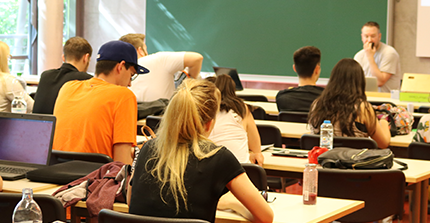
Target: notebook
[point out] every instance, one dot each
(25, 143)
(232, 72)
(371, 84)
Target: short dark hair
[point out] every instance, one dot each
(76, 47)
(135, 39)
(106, 66)
(371, 23)
(305, 60)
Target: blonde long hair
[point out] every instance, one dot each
(4, 57)
(181, 132)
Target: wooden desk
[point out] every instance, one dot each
(16, 186)
(296, 130)
(398, 102)
(418, 174)
(271, 94)
(287, 208)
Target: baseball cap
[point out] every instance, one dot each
(120, 51)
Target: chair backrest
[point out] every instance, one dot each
(110, 216)
(419, 150)
(423, 109)
(270, 134)
(64, 156)
(293, 116)
(51, 207)
(259, 113)
(256, 174)
(308, 141)
(153, 122)
(383, 191)
(261, 98)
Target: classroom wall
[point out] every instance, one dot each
(405, 30)
(109, 19)
(106, 20)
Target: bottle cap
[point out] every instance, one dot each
(327, 121)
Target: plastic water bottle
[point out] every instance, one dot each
(27, 210)
(326, 135)
(18, 105)
(310, 184)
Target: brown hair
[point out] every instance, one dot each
(75, 48)
(305, 60)
(371, 23)
(229, 100)
(135, 39)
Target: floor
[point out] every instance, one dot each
(297, 189)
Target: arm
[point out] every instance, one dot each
(250, 200)
(1, 184)
(382, 134)
(193, 61)
(382, 77)
(254, 142)
(123, 152)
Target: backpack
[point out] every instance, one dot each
(400, 118)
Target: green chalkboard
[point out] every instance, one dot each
(260, 36)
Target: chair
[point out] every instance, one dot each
(383, 191)
(153, 122)
(110, 216)
(51, 207)
(419, 150)
(256, 174)
(261, 98)
(58, 156)
(270, 134)
(423, 109)
(293, 116)
(258, 113)
(308, 141)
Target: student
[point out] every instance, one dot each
(159, 83)
(76, 56)
(235, 126)
(379, 59)
(344, 103)
(181, 173)
(9, 84)
(307, 65)
(99, 115)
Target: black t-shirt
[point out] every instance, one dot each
(50, 83)
(298, 98)
(205, 182)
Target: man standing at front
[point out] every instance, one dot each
(379, 59)
(99, 115)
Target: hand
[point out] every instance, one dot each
(257, 158)
(370, 51)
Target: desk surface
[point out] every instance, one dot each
(271, 94)
(296, 130)
(287, 208)
(418, 170)
(16, 186)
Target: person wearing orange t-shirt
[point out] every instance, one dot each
(99, 115)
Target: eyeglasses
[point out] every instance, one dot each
(265, 195)
(134, 76)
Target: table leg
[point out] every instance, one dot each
(424, 200)
(415, 202)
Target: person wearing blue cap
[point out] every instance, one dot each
(99, 115)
